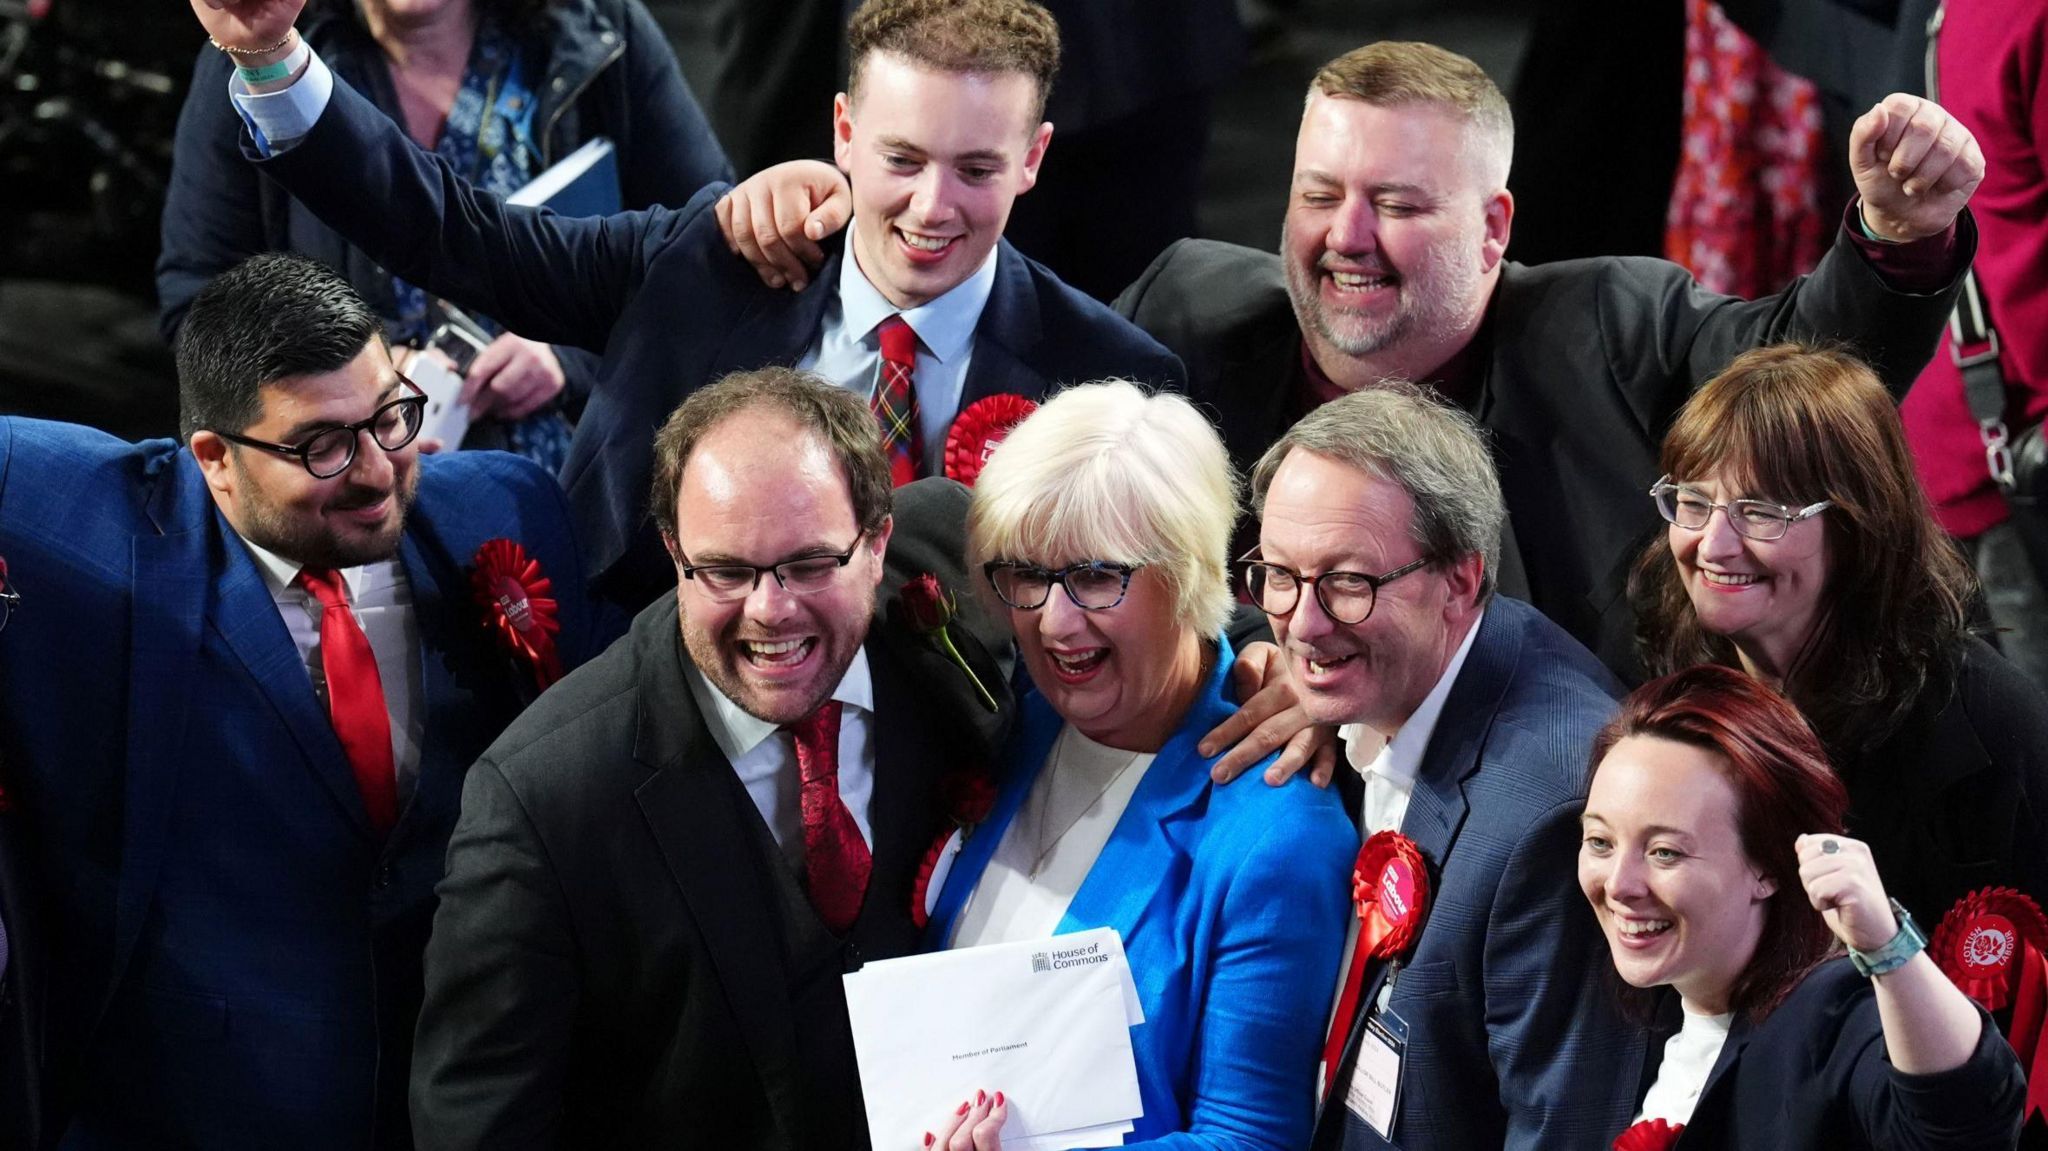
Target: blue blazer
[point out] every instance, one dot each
(1814, 1077)
(1514, 1037)
(1232, 903)
(660, 295)
(235, 955)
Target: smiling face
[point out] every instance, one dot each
(1321, 515)
(935, 159)
(1764, 596)
(353, 518)
(1123, 675)
(760, 489)
(1661, 861)
(1393, 236)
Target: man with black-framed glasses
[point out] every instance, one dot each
(664, 869)
(257, 668)
(1466, 716)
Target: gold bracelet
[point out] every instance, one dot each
(232, 51)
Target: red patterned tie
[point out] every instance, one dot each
(895, 401)
(836, 859)
(355, 697)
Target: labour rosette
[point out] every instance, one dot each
(519, 607)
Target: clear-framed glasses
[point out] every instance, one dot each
(9, 597)
(803, 575)
(1754, 519)
(1092, 585)
(329, 452)
(1346, 597)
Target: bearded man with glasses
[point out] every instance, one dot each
(1466, 716)
(239, 715)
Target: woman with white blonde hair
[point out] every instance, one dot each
(1103, 526)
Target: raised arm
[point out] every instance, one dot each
(550, 278)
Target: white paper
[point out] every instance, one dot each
(446, 418)
(1046, 1021)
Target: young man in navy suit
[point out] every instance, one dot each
(1467, 720)
(941, 129)
(256, 667)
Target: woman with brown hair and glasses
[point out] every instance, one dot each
(1801, 550)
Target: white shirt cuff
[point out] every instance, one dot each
(280, 119)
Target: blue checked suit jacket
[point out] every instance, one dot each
(236, 958)
(1514, 1038)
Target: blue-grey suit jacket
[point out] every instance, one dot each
(1514, 1036)
(664, 300)
(235, 954)
(1232, 904)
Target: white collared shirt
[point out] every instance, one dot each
(1390, 771)
(380, 597)
(763, 755)
(848, 351)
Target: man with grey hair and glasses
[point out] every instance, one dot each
(1472, 1013)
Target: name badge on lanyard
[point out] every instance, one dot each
(1375, 1088)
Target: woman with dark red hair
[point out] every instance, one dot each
(1714, 857)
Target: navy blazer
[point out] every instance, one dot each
(235, 955)
(1515, 1040)
(659, 293)
(1232, 904)
(1814, 1077)
(21, 985)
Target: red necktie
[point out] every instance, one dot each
(355, 697)
(836, 860)
(895, 401)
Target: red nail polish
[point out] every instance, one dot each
(963, 1109)
(999, 1099)
(980, 1097)
(927, 1138)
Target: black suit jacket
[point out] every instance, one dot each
(1813, 1076)
(1585, 363)
(1957, 797)
(21, 993)
(608, 968)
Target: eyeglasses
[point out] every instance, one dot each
(1092, 585)
(804, 575)
(1346, 597)
(9, 598)
(1754, 519)
(329, 452)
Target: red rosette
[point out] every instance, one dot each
(1391, 889)
(1983, 939)
(968, 796)
(920, 890)
(1649, 1135)
(518, 607)
(978, 429)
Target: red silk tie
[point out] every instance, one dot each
(355, 698)
(895, 401)
(836, 859)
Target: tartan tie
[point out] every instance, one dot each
(836, 859)
(355, 697)
(895, 401)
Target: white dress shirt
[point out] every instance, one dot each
(848, 350)
(1075, 802)
(1389, 767)
(380, 597)
(1689, 1058)
(763, 755)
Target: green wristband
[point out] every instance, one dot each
(267, 73)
